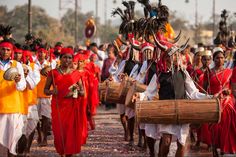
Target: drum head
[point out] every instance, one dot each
(129, 96)
(102, 86)
(111, 91)
(122, 86)
(10, 74)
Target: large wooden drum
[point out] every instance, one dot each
(102, 95)
(112, 92)
(102, 86)
(178, 111)
(136, 87)
(102, 90)
(124, 86)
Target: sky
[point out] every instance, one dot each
(183, 9)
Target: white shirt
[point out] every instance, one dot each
(118, 71)
(34, 57)
(134, 71)
(191, 90)
(33, 76)
(21, 85)
(141, 76)
(46, 63)
(100, 62)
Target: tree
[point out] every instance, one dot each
(106, 32)
(178, 23)
(43, 26)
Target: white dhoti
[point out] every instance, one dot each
(129, 112)
(152, 130)
(32, 119)
(12, 127)
(121, 108)
(178, 132)
(44, 107)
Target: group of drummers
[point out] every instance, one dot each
(153, 57)
(176, 74)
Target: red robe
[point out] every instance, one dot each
(224, 133)
(194, 73)
(67, 115)
(93, 97)
(85, 77)
(203, 133)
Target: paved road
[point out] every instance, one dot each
(106, 141)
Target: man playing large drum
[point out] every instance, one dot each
(174, 83)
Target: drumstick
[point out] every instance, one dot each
(115, 43)
(144, 73)
(198, 85)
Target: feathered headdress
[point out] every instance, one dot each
(6, 31)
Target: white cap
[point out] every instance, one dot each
(195, 46)
(200, 49)
(206, 53)
(216, 49)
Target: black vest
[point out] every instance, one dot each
(139, 66)
(151, 71)
(129, 65)
(172, 86)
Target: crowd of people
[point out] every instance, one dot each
(56, 87)
(51, 88)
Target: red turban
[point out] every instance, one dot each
(79, 57)
(58, 48)
(27, 53)
(42, 50)
(67, 51)
(7, 44)
(16, 50)
(93, 55)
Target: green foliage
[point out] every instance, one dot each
(107, 33)
(50, 29)
(43, 26)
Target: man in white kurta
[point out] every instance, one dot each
(12, 119)
(44, 101)
(175, 83)
(32, 79)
